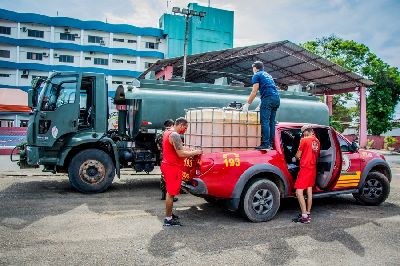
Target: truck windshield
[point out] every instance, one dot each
(58, 91)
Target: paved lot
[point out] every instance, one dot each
(44, 221)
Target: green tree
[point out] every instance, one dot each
(382, 97)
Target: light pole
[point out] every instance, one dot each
(187, 13)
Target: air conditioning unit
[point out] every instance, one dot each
(67, 30)
(45, 54)
(102, 42)
(25, 72)
(91, 52)
(158, 40)
(24, 29)
(56, 56)
(76, 35)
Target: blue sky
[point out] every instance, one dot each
(376, 23)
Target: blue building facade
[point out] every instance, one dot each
(34, 45)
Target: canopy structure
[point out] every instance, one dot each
(288, 63)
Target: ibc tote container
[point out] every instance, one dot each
(222, 129)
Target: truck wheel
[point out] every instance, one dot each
(375, 189)
(261, 201)
(91, 171)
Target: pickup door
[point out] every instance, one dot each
(330, 159)
(351, 165)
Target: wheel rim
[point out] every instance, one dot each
(262, 201)
(372, 189)
(92, 171)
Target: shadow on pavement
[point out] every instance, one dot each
(208, 228)
(212, 229)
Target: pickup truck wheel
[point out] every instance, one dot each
(91, 171)
(375, 189)
(261, 201)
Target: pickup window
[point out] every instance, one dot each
(344, 145)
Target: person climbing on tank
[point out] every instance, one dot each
(167, 125)
(270, 101)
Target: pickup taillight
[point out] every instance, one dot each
(203, 165)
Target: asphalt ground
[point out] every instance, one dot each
(43, 221)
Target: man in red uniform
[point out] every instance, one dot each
(307, 154)
(172, 164)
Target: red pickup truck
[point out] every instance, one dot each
(254, 182)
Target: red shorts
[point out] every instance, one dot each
(305, 178)
(173, 178)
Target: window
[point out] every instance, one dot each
(147, 64)
(36, 76)
(88, 58)
(66, 58)
(117, 82)
(36, 33)
(4, 75)
(151, 45)
(67, 36)
(5, 53)
(118, 40)
(132, 41)
(101, 61)
(5, 30)
(344, 146)
(58, 92)
(118, 61)
(95, 39)
(130, 62)
(324, 138)
(34, 56)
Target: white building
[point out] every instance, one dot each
(35, 45)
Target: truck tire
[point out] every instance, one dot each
(261, 201)
(91, 171)
(375, 189)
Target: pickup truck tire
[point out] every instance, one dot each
(261, 201)
(375, 189)
(91, 171)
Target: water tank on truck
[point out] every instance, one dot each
(162, 100)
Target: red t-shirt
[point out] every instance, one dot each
(309, 147)
(169, 154)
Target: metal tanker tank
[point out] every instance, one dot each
(162, 100)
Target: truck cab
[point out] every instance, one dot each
(253, 181)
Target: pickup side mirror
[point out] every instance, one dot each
(32, 98)
(354, 146)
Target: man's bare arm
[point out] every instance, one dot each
(253, 93)
(175, 139)
(298, 155)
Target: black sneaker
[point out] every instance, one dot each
(301, 219)
(172, 222)
(175, 199)
(263, 148)
(176, 217)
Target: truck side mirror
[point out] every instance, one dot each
(32, 98)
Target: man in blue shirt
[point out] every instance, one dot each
(270, 101)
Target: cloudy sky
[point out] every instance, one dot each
(376, 23)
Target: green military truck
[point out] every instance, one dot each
(68, 128)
